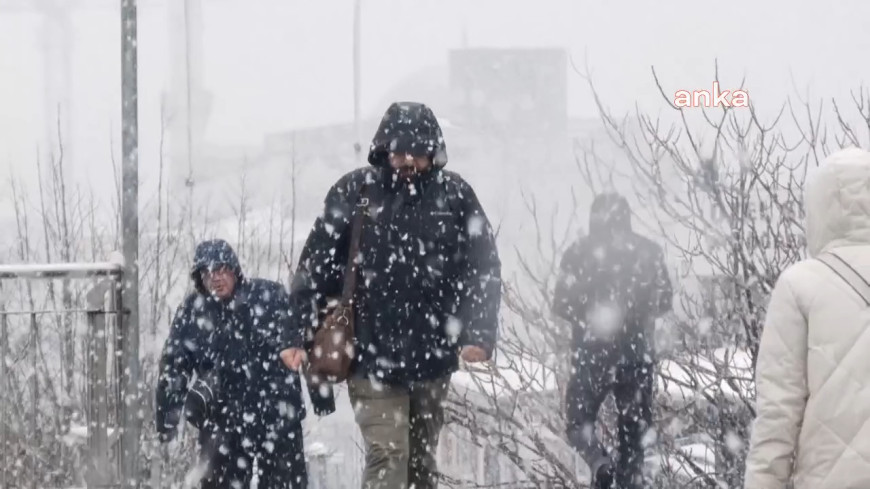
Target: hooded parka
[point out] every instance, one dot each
(429, 272)
(813, 369)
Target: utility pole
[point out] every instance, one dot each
(57, 68)
(189, 101)
(356, 81)
(129, 452)
(57, 45)
(188, 119)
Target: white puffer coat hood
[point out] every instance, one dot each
(837, 202)
(813, 372)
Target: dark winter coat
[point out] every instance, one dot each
(621, 269)
(233, 346)
(429, 276)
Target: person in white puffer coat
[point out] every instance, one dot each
(813, 372)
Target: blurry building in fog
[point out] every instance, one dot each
(503, 112)
(510, 92)
(505, 121)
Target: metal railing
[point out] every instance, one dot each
(108, 391)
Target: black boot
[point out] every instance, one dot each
(604, 478)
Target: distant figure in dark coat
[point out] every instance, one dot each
(612, 287)
(246, 403)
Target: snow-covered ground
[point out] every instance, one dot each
(728, 373)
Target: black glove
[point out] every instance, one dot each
(167, 435)
(200, 404)
(604, 477)
(169, 430)
(322, 399)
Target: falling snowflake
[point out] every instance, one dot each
(599, 253)
(269, 446)
(705, 325)
(453, 327)
(604, 320)
(733, 442)
(476, 226)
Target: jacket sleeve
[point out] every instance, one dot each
(568, 301)
(176, 366)
(781, 391)
(320, 271)
(480, 297)
(293, 336)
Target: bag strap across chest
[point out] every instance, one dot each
(350, 274)
(849, 275)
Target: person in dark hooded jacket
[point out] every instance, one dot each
(428, 291)
(613, 285)
(245, 402)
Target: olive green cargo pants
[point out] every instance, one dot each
(400, 426)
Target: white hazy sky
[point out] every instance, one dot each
(277, 64)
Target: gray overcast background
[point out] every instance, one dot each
(273, 65)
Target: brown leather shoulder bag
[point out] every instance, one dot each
(332, 352)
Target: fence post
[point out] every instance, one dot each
(118, 350)
(29, 443)
(35, 441)
(4, 425)
(99, 473)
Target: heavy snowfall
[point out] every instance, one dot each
(560, 277)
